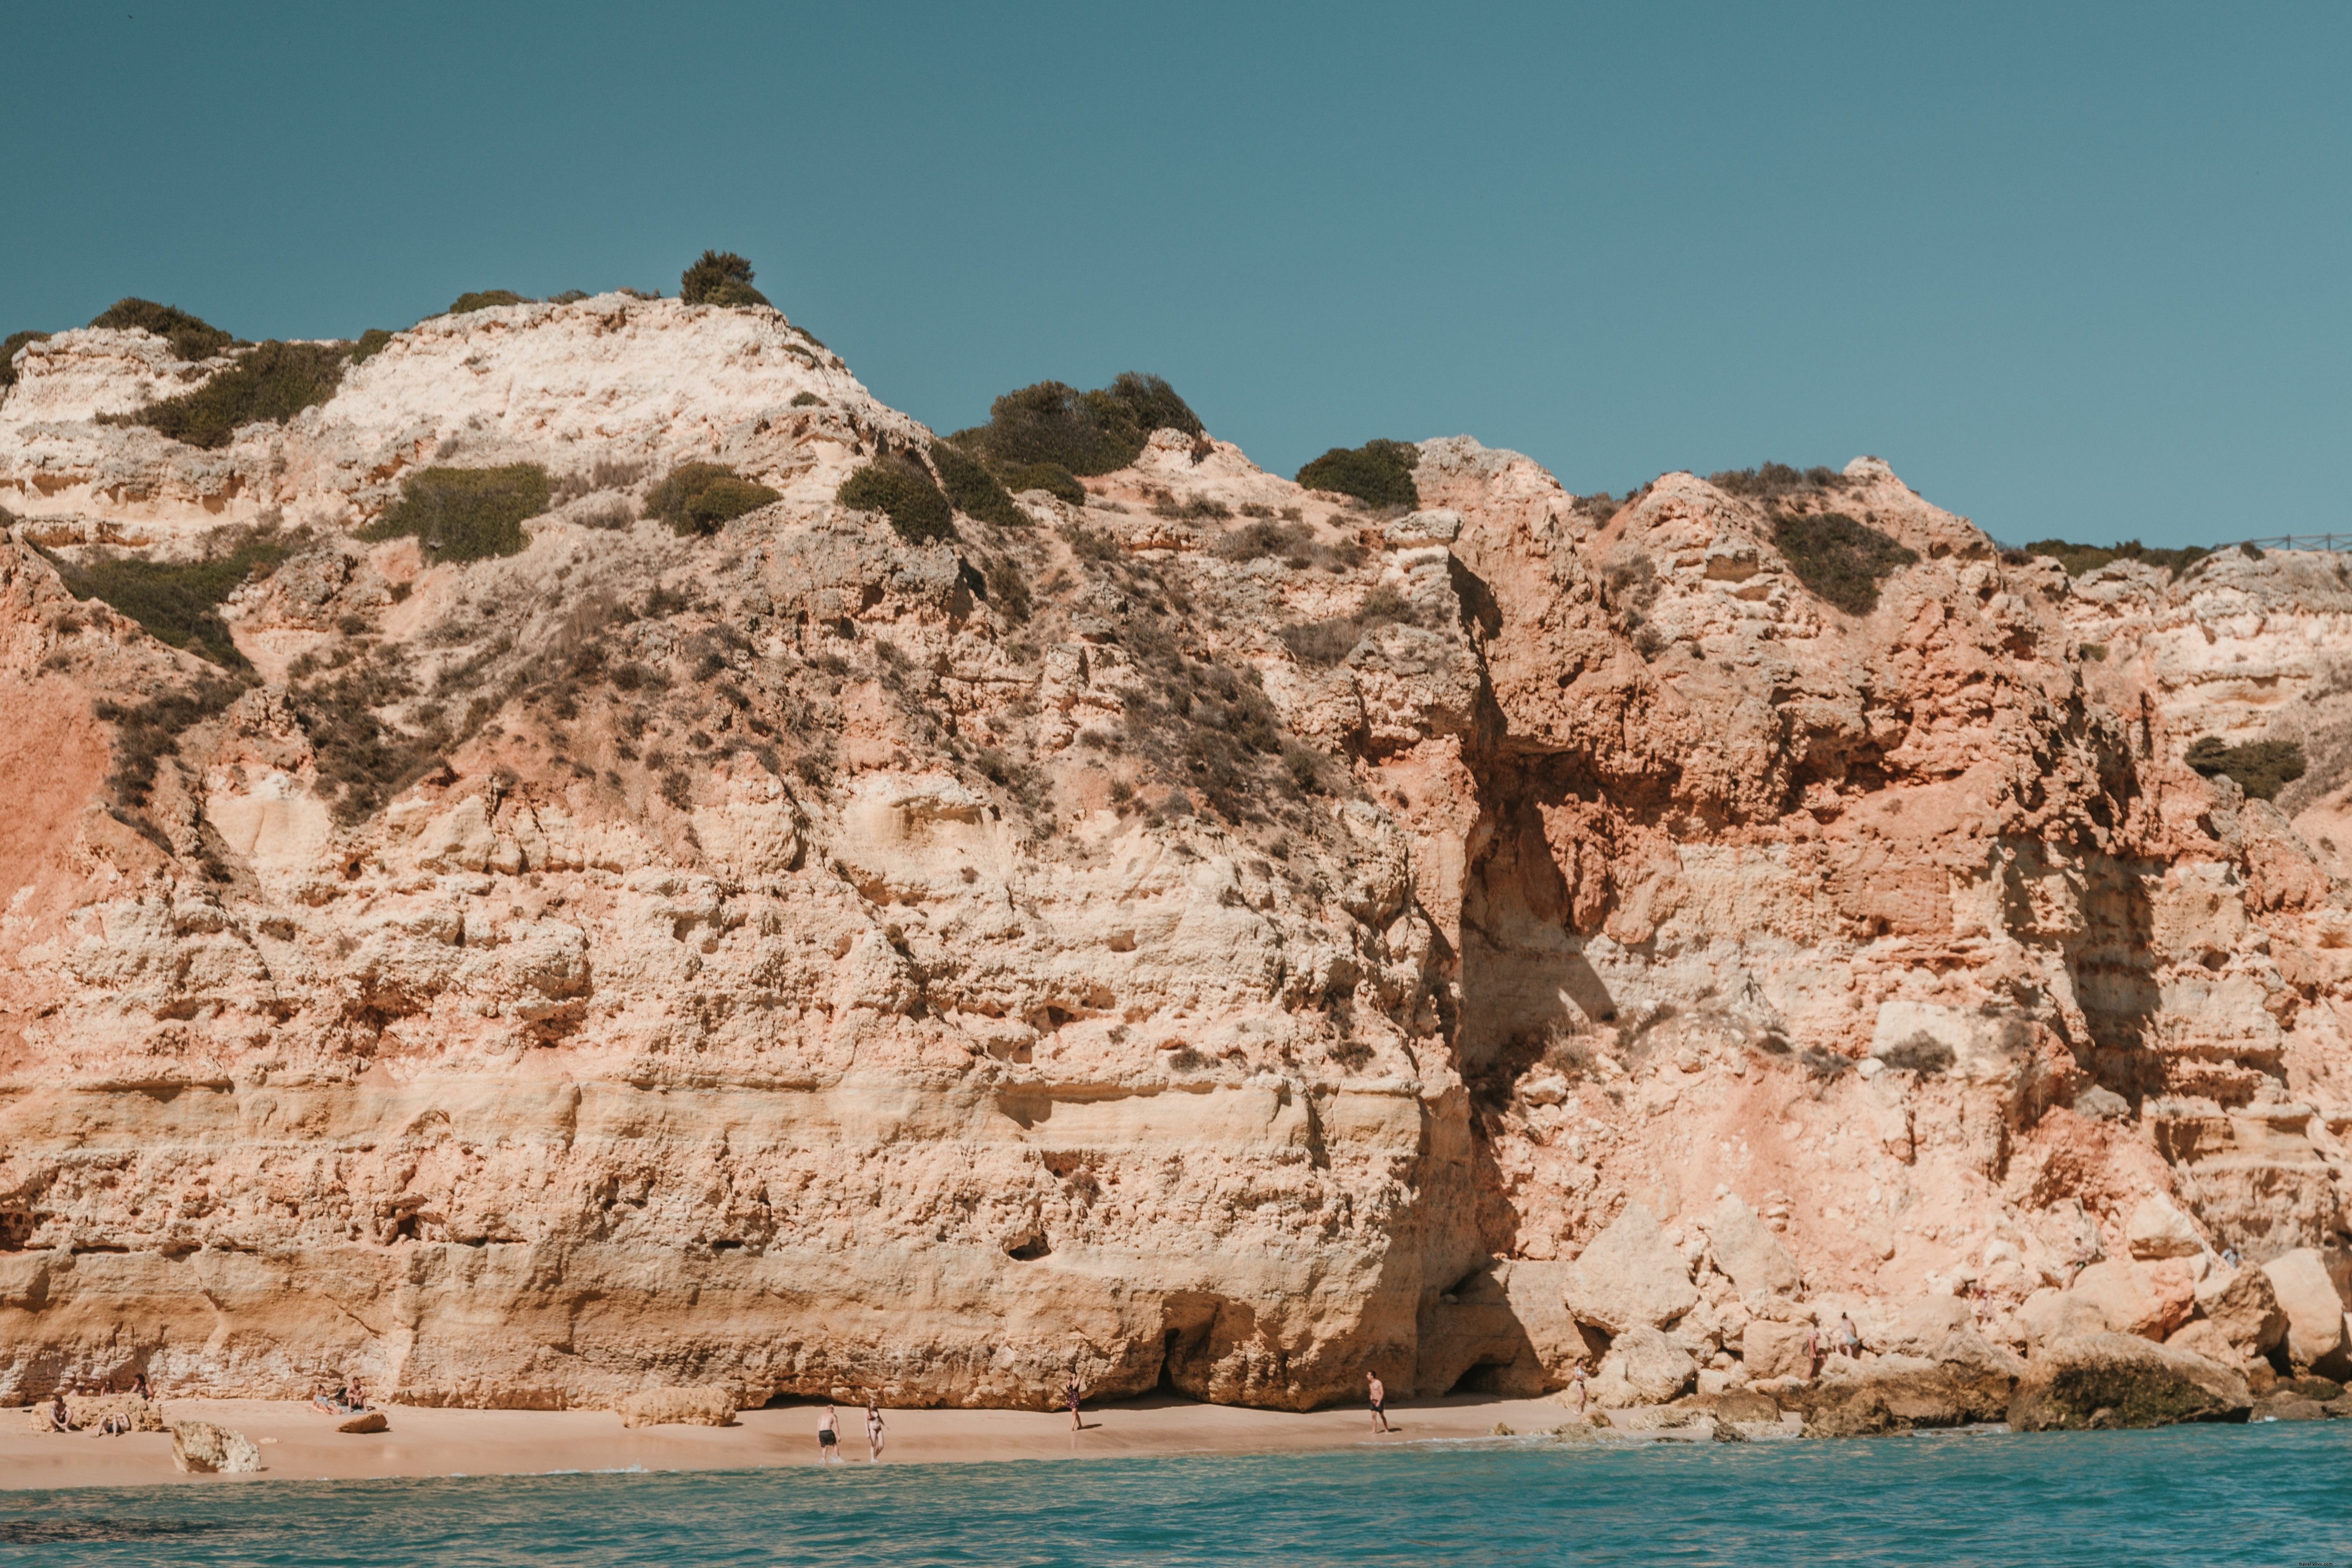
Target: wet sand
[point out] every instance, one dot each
(299, 1443)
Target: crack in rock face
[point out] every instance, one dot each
(1209, 935)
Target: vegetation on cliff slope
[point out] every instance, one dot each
(2080, 558)
(190, 337)
(703, 497)
(2261, 768)
(720, 277)
(465, 514)
(8, 347)
(1377, 473)
(1840, 560)
(178, 602)
(901, 488)
(1077, 432)
(271, 384)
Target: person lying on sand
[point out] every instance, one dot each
(329, 1403)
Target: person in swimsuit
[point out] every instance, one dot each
(1849, 1339)
(873, 1432)
(1379, 1403)
(828, 1435)
(139, 1388)
(1813, 1355)
(60, 1418)
(1578, 1378)
(1071, 1395)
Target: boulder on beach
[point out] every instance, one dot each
(678, 1407)
(199, 1448)
(1630, 1276)
(2097, 1381)
(1967, 1379)
(372, 1421)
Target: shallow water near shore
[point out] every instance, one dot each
(2271, 1495)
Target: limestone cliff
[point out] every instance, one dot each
(1212, 937)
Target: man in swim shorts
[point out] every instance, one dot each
(1379, 1403)
(828, 1436)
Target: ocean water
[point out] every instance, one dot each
(2275, 1495)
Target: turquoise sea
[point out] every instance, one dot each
(2278, 1495)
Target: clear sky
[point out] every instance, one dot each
(2072, 269)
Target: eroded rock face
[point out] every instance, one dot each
(796, 961)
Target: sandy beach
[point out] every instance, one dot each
(299, 1443)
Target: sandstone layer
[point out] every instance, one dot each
(1172, 942)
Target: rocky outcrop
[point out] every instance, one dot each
(2116, 1380)
(1212, 937)
(1964, 1380)
(678, 1406)
(200, 1447)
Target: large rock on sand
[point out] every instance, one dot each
(2315, 1313)
(1630, 1276)
(1925, 1325)
(2118, 1380)
(1748, 1252)
(678, 1407)
(199, 1448)
(1967, 1379)
(364, 1424)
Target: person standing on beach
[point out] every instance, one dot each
(873, 1432)
(1071, 1395)
(1578, 1375)
(1379, 1403)
(1814, 1355)
(828, 1435)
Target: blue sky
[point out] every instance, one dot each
(2074, 270)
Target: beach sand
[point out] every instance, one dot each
(299, 1443)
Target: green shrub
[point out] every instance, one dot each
(902, 488)
(1842, 561)
(484, 299)
(273, 383)
(1776, 480)
(371, 343)
(191, 337)
(702, 498)
(2080, 558)
(720, 277)
(8, 347)
(1051, 477)
(1082, 432)
(2261, 768)
(178, 602)
(1377, 473)
(972, 489)
(465, 514)
(807, 400)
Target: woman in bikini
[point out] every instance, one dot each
(873, 1432)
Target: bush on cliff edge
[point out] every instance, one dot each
(703, 497)
(901, 489)
(1377, 473)
(273, 383)
(720, 277)
(2261, 768)
(191, 337)
(465, 514)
